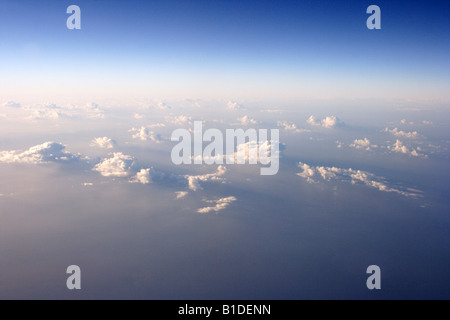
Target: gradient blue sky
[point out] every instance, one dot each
(225, 49)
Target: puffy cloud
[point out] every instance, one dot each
(181, 194)
(118, 165)
(138, 116)
(88, 184)
(194, 181)
(245, 121)
(362, 144)
(181, 120)
(142, 176)
(399, 133)
(232, 105)
(327, 122)
(103, 142)
(401, 148)
(290, 126)
(218, 205)
(46, 152)
(144, 134)
(352, 176)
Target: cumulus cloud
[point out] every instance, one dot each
(103, 142)
(398, 133)
(399, 147)
(118, 165)
(138, 116)
(232, 105)
(310, 173)
(142, 176)
(194, 181)
(327, 122)
(218, 205)
(245, 121)
(144, 134)
(43, 153)
(181, 120)
(181, 194)
(362, 144)
(290, 126)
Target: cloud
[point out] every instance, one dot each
(194, 181)
(362, 144)
(399, 133)
(181, 120)
(43, 153)
(12, 104)
(218, 205)
(399, 147)
(138, 116)
(426, 122)
(142, 176)
(328, 122)
(353, 176)
(232, 105)
(245, 121)
(290, 126)
(144, 134)
(181, 194)
(103, 142)
(118, 165)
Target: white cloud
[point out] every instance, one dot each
(218, 205)
(362, 144)
(232, 105)
(88, 184)
(103, 142)
(245, 121)
(144, 134)
(43, 153)
(117, 166)
(181, 120)
(399, 147)
(398, 133)
(194, 181)
(327, 122)
(142, 176)
(352, 176)
(138, 116)
(427, 122)
(290, 126)
(181, 194)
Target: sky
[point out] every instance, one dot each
(87, 177)
(210, 49)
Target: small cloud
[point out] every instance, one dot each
(88, 184)
(245, 121)
(290, 126)
(353, 176)
(426, 122)
(142, 176)
(232, 105)
(362, 144)
(12, 104)
(328, 122)
(118, 165)
(43, 153)
(181, 194)
(218, 205)
(398, 133)
(103, 142)
(144, 134)
(194, 181)
(138, 116)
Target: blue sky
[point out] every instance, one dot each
(283, 49)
